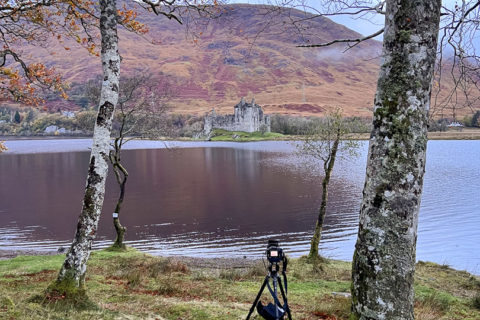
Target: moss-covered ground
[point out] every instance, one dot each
(134, 285)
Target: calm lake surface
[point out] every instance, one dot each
(226, 199)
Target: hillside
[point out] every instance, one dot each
(248, 51)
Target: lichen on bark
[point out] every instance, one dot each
(384, 258)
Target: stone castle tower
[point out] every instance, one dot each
(247, 117)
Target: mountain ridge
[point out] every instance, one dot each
(228, 58)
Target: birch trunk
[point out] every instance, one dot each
(72, 274)
(121, 175)
(322, 212)
(384, 259)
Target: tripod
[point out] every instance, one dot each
(275, 311)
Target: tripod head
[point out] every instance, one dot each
(275, 256)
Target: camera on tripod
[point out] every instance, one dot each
(275, 310)
(274, 252)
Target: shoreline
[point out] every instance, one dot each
(192, 262)
(10, 254)
(210, 263)
(465, 134)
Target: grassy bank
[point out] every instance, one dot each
(134, 285)
(240, 136)
(455, 134)
(451, 134)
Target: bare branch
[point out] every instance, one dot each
(154, 5)
(349, 41)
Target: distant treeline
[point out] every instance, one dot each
(31, 122)
(56, 121)
(294, 125)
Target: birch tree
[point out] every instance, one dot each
(70, 283)
(141, 113)
(35, 23)
(71, 278)
(322, 145)
(384, 259)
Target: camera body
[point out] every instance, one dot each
(274, 252)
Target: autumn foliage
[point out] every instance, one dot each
(38, 23)
(2, 147)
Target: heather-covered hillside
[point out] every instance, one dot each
(249, 50)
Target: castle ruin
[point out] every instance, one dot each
(247, 117)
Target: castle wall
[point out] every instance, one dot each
(212, 121)
(247, 117)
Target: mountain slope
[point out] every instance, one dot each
(249, 51)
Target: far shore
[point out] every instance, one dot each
(451, 134)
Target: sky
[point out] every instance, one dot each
(365, 26)
(372, 24)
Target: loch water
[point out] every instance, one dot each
(226, 199)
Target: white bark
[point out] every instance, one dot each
(384, 259)
(75, 264)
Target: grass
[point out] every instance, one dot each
(225, 135)
(240, 136)
(133, 285)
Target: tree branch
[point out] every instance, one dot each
(357, 41)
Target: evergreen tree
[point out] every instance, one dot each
(30, 116)
(17, 118)
(475, 118)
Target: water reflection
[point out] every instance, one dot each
(228, 199)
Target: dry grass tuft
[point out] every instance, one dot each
(436, 301)
(168, 265)
(476, 301)
(332, 308)
(232, 274)
(257, 270)
(426, 312)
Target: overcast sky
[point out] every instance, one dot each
(372, 24)
(364, 26)
(360, 25)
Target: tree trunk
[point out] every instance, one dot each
(120, 230)
(317, 234)
(384, 259)
(71, 277)
(121, 175)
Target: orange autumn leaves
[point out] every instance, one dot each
(127, 18)
(22, 87)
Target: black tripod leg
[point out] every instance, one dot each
(258, 297)
(287, 308)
